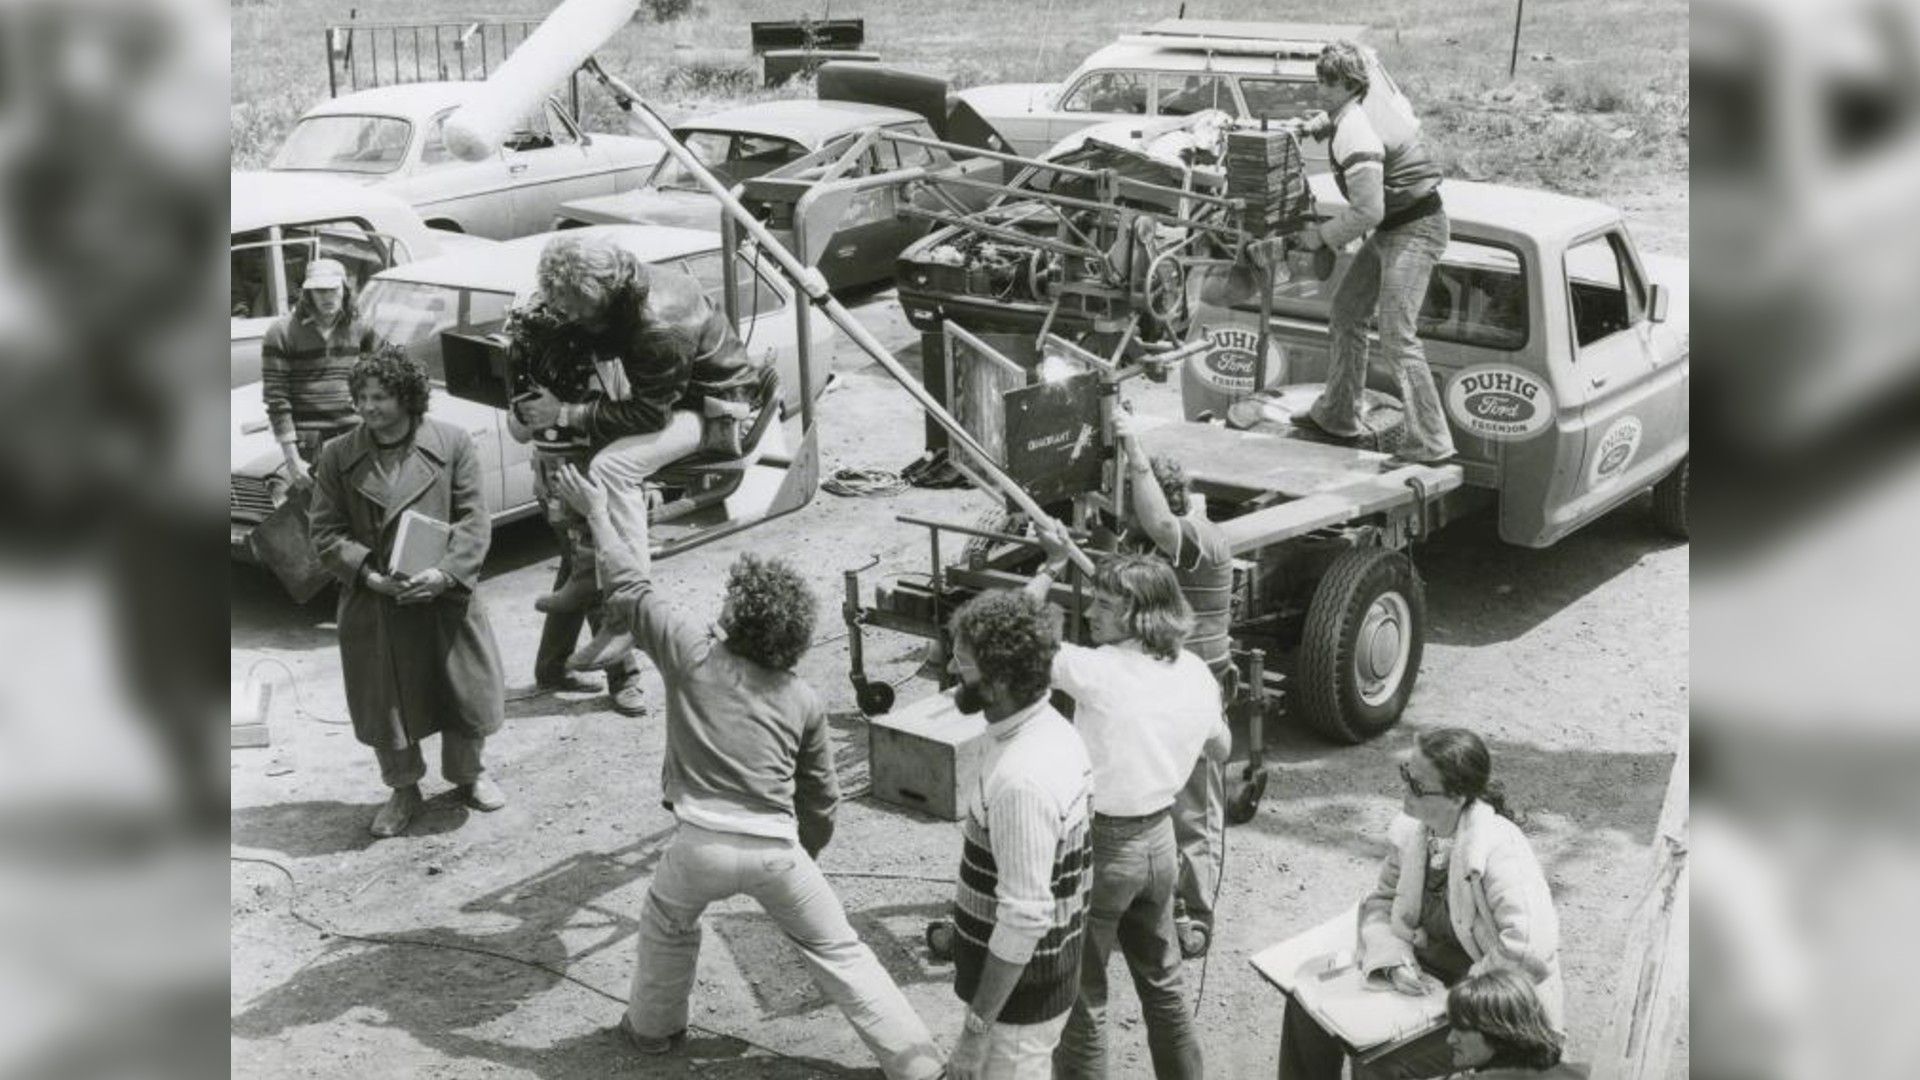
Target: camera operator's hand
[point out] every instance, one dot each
(581, 494)
(539, 410)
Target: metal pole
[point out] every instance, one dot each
(1513, 60)
(333, 76)
(815, 286)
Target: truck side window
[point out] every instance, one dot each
(1109, 92)
(1601, 289)
(1477, 296)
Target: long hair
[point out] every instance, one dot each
(1013, 638)
(1503, 1008)
(1157, 615)
(769, 614)
(1343, 62)
(349, 305)
(591, 267)
(1465, 767)
(402, 375)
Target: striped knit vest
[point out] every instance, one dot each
(1051, 980)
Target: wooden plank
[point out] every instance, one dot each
(1335, 506)
(1254, 460)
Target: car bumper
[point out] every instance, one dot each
(238, 547)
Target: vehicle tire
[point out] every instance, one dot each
(874, 698)
(1670, 497)
(1360, 652)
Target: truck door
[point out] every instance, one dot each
(1614, 404)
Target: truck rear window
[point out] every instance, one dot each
(1478, 297)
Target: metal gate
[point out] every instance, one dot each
(367, 53)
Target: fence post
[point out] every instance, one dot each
(1513, 59)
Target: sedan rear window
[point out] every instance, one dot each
(355, 144)
(730, 157)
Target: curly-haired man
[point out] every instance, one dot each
(1020, 905)
(749, 775)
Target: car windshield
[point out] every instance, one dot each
(411, 314)
(356, 144)
(730, 157)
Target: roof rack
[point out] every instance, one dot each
(1302, 40)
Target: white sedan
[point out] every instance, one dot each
(471, 293)
(395, 137)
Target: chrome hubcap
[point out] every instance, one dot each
(1381, 650)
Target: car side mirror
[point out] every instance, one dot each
(1657, 304)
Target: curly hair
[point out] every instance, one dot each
(1172, 478)
(1503, 1008)
(1343, 62)
(1465, 767)
(1013, 638)
(391, 367)
(591, 267)
(1157, 614)
(769, 614)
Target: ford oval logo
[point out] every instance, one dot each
(1508, 408)
(1615, 458)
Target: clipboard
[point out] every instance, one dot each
(1319, 969)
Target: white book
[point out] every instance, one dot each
(420, 545)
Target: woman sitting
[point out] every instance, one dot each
(1498, 1030)
(1460, 894)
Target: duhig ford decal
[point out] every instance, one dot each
(1501, 403)
(1614, 452)
(1229, 364)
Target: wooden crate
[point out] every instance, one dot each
(249, 701)
(926, 755)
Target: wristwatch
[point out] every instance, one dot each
(975, 1025)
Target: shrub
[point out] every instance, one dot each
(668, 10)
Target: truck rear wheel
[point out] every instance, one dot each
(1670, 501)
(1360, 653)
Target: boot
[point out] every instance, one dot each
(582, 588)
(399, 810)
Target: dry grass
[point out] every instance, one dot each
(1599, 101)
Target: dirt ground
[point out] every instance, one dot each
(1572, 661)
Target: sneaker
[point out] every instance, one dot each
(654, 1045)
(483, 794)
(1304, 421)
(627, 698)
(609, 647)
(564, 682)
(392, 819)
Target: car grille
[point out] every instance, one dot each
(249, 498)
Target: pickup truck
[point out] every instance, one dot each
(1562, 355)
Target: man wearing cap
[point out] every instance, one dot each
(1392, 186)
(304, 364)
(688, 383)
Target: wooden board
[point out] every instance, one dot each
(1255, 461)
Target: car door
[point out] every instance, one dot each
(547, 165)
(258, 294)
(1099, 97)
(449, 191)
(1621, 403)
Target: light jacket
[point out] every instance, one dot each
(1497, 900)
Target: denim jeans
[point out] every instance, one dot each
(702, 867)
(1388, 280)
(623, 466)
(560, 632)
(1199, 820)
(459, 761)
(1310, 1052)
(1135, 869)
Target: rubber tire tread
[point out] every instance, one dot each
(1670, 501)
(1324, 683)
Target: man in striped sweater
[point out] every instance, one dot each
(1020, 905)
(304, 364)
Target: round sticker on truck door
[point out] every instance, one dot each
(1229, 364)
(1494, 401)
(1614, 452)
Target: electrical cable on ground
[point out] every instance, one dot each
(864, 483)
(299, 701)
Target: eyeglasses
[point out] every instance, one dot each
(1413, 785)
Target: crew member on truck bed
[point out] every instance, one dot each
(1392, 186)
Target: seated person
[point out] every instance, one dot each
(1499, 1031)
(1460, 894)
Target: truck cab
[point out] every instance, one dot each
(1560, 352)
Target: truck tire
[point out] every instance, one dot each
(1360, 652)
(1670, 501)
(979, 549)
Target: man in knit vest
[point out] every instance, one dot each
(1202, 559)
(749, 776)
(1147, 710)
(1020, 904)
(304, 363)
(1392, 186)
